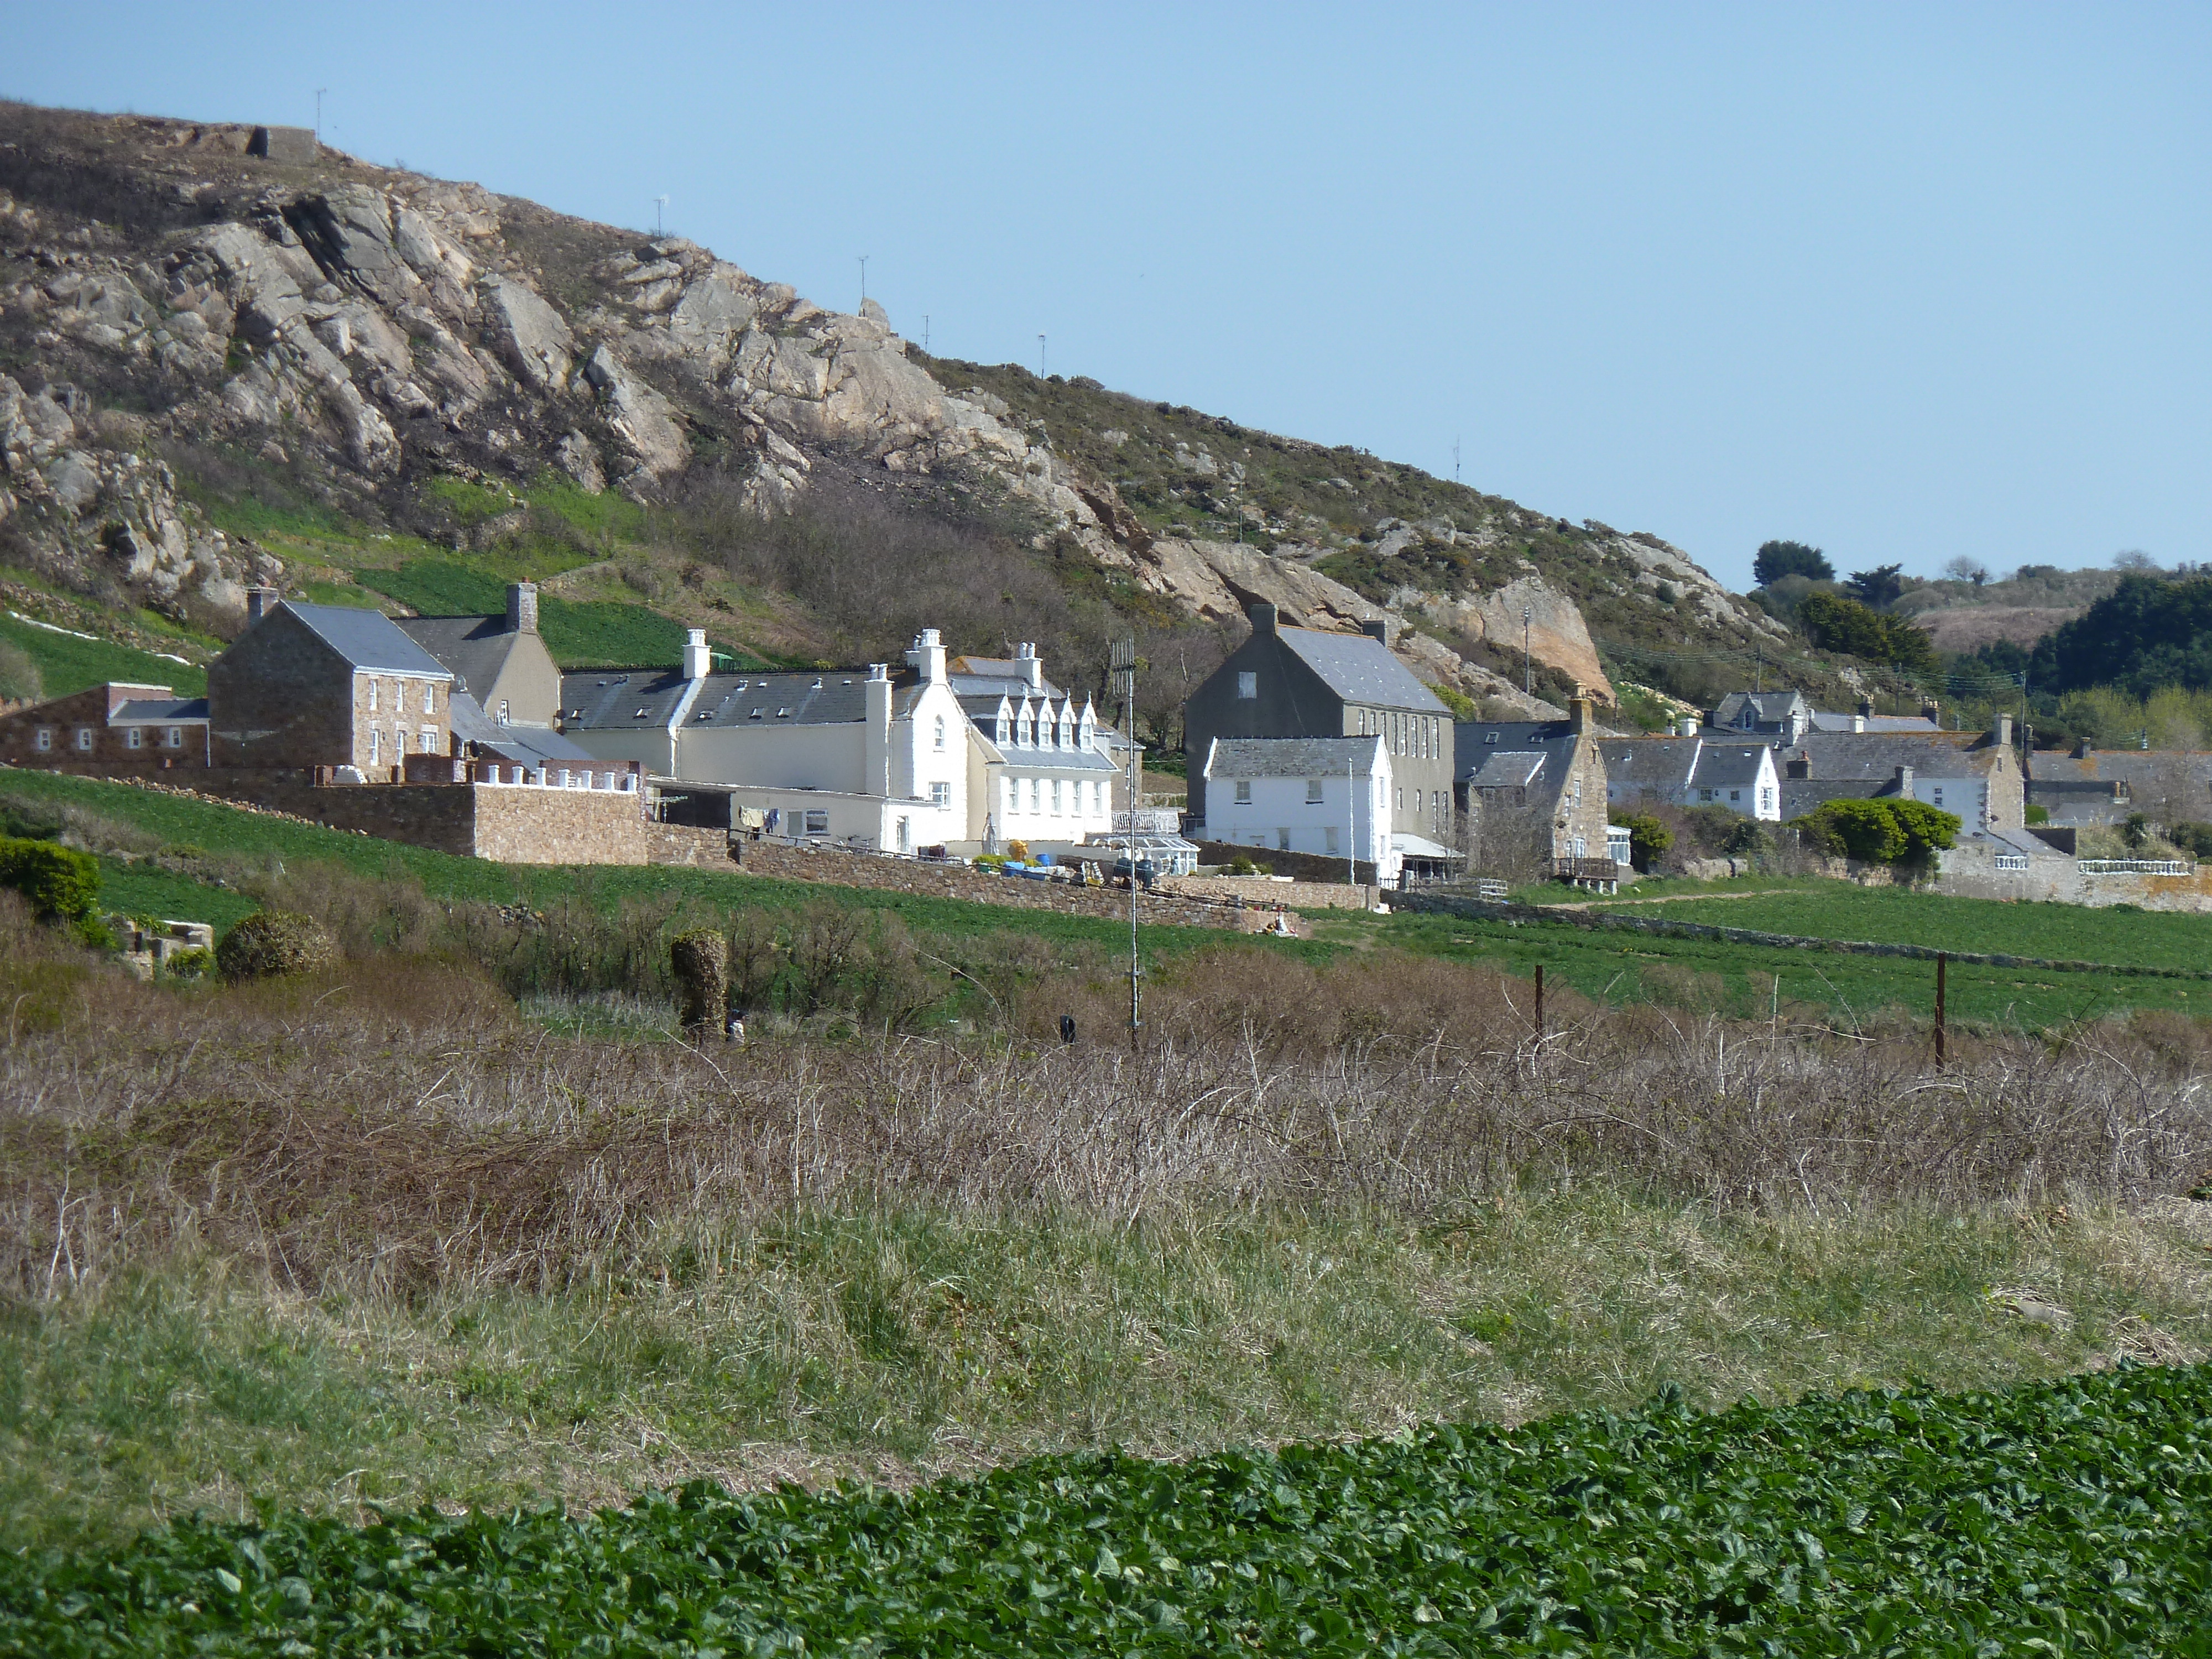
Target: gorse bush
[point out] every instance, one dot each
(1880, 830)
(270, 942)
(59, 882)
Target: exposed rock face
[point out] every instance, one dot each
(369, 323)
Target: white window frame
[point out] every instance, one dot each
(940, 795)
(375, 746)
(84, 740)
(43, 741)
(371, 694)
(1035, 796)
(502, 711)
(173, 738)
(134, 738)
(1244, 792)
(429, 697)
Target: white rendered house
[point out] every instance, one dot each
(870, 756)
(1039, 767)
(1330, 796)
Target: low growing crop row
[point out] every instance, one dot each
(2071, 1518)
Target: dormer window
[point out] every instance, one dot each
(783, 713)
(755, 715)
(1003, 734)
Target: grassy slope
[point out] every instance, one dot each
(1694, 975)
(67, 664)
(878, 1342)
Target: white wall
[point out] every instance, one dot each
(1279, 804)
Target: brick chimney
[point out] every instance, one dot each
(259, 602)
(522, 607)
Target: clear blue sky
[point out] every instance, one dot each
(1906, 281)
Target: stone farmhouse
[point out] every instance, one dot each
(1327, 797)
(1692, 771)
(1540, 782)
(2090, 788)
(1304, 683)
(115, 723)
(310, 685)
(1974, 775)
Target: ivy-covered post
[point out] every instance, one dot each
(701, 961)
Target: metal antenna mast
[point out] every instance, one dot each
(658, 203)
(319, 91)
(863, 258)
(1124, 662)
(1528, 679)
(1040, 356)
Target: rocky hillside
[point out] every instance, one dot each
(218, 368)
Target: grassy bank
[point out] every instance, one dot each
(913, 1340)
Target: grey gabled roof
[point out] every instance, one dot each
(1291, 757)
(1647, 765)
(153, 710)
(1728, 766)
(1874, 723)
(525, 746)
(1769, 708)
(1475, 742)
(1359, 668)
(475, 647)
(974, 676)
(1508, 768)
(368, 639)
(620, 699)
(1874, 757)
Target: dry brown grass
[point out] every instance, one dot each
(397, 1127)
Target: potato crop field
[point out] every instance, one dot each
(2073, 1517)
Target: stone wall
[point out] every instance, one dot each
(1308, 868)
(1969, 870)
(679, 844)
(530, 825)
(1257, 892)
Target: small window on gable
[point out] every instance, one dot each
(502, 711)
(1244, 792)
(1248, 683)
(939, 742)
(1313, 791)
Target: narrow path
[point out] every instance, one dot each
(1673, 898)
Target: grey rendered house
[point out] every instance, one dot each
(1304, 683)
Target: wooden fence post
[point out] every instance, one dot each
(1539, 1002)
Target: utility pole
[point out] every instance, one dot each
(319, 91)
(1351, 827)
(1124, 662)
(864, 278)
(1528, 673)
(1455, 459)
(1041, 357)
(658, 203)
(925, 333)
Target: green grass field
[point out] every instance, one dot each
(67, 664)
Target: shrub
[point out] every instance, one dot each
(269, 943)
(2038, 815)
(58, 881)
(1648, 839)
(1241, 865)
(1880, 832)
(189, 964)
(1776, 559)
(1747, 838)
(1835, 622)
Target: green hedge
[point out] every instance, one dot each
(58, 881)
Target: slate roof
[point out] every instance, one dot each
(1640, 766)
(610, 700)
(475, 647)
(1291, 757)
(1768, 707)
(1838, 757)
(1506, 768)
(977, 676)
(153, 710)
(1474, 743)
(525, 745)
(1874, 723)
(368, 639)
(1359, 668)
(1728, 766)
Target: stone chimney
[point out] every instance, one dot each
(1262, 617)
(698, 660)
(1031, 665)
(1905, 780)
(1377, 630)
(1578, 710)
(926, 655)
(2001, 733)
(522, 607)
(1865, 711)
(259, 602)
(1799, 766)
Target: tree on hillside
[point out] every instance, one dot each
(1963, 570)
(1778, 559)
(1877, 589)
(2146, 633)
(1835, 623)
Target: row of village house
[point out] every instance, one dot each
(1305, 741)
